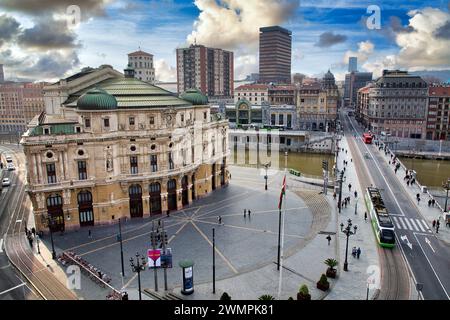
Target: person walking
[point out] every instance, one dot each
(349, 187)
(437, 226)
(30, 240)
(354, 250)
(249, 212)
(33, 231)
(89, 234)
(329, 239)
(220, 219)
(434, 224)
(245, 213)
(429, 202)
(433, 202)
(358, 252)
(334, 195)
(356, 194)
(365, 216)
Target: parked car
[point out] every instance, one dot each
(6, 182)
(11, 166)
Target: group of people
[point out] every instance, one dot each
(31, 235)
(356, 252)
(409, 177)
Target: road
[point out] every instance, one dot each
(427, 257)
(12, 286)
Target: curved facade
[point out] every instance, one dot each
(152, 154)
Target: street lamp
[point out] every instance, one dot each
(446, 187)
(348, 232)
(50, 223)
(138, 266)
(121, 248)
(266, 166)
(37, 243)
(341, 179)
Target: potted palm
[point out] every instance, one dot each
(303, 293)
(266, 297)
(323, 283)
(331, 271)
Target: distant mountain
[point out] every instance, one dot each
(443, 75)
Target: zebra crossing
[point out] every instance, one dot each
(403, 223)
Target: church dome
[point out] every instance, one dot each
(97, 99)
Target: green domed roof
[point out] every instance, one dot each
(195, 97)
(97, 99)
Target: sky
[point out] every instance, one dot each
(52, 39)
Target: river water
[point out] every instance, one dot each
(306, 163)
(430, 173)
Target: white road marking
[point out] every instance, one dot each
(1, 245)
(414, 225)
(397, 224)
(429, 243)
(420, 225)
(437, 277)
(403, 223)
(405, 239)
(13, 288)
(409, 225)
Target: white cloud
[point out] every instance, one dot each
(164, 72)
(245, 65)
(365, 50)
(234, 24)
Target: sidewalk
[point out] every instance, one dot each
(304, 266)
(428, 213)
(353, 284)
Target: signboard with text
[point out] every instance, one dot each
(154, 258)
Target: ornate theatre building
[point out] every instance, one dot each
(110, 146)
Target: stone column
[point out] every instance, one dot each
(145, 199)
(164, 195)
(189, 186)
(179, 193)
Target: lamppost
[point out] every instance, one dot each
(137, 267)
(214, 259)
(341, 179)
(446, 187)
(50, 223)
(348, 232)
(37, 243)
(266, 166)
(121, 248)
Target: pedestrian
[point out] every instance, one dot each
(429, 202)
(407, 183)
(329, 239)
(348, 199)
(365, 216)
(358, 252)
(389, 162)
(89, 234)
(434, 224)
(418, 200)
(356, 194)
(33, 231)
(433, 202)
(351, 159)
(437, 226)
(30, 240)
(26, 230)
(334, 195)
(349, 187)
(354, 252)
(249, 212)
(220, 219)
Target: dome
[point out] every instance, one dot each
(329, 75)
(96, 99)
(195, 97)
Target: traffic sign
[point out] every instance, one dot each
(154, 258)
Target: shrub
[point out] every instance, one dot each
(331, 263)
(303, 293)
(304, 289)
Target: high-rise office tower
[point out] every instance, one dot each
(275, 52)
(209, 70)
(2, 75)
(352, 64)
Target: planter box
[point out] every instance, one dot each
(331, 273)
(303, 297)
(323, 287)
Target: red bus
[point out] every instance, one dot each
(367, 138)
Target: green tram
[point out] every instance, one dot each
(379, 216)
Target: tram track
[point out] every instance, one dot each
(394, 280)
(20, 254)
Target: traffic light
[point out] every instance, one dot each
(165, 238)
(153, 238)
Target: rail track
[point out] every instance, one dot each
(394, 273)
(17, 249)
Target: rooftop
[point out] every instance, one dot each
(140, 53)
(275, 28)
(439, 91)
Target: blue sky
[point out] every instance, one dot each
(159, 27)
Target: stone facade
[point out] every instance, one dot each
(92, 163)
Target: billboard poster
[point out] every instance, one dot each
(154, 258)
(166, 258)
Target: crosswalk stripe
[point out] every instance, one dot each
(397, 225)
(409, 224)
(420, 225)
(425, 225)
(403, 223)
(414, 225)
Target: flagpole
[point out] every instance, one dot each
(281, 229)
